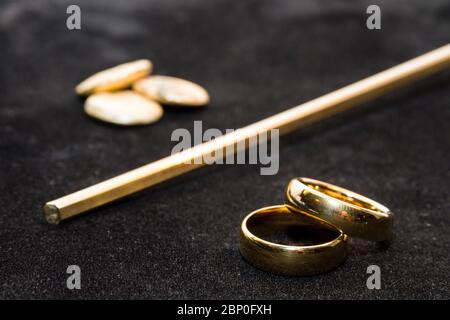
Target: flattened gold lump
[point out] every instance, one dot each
(172, 91)
(116, 78)
(125, 108)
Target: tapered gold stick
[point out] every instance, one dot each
(289, 120)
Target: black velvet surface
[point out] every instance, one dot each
(256, 58)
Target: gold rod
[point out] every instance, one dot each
(286, 121)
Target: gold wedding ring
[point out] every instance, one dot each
(283, 257)
(354, 214)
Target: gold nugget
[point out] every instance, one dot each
(116, 78)
(172, 91)
(124, 108)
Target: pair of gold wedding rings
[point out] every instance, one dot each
(313, 208)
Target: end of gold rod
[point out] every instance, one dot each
(52, 214)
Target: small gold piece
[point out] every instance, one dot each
(116, 78)
(124, 108)
(172, 91)
(355, 214)
(286, 258)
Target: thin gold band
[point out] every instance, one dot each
(287, 259)
(355, 214)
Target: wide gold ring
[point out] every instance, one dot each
(283, 257)
(354, 214)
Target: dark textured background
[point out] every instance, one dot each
(256, 58)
